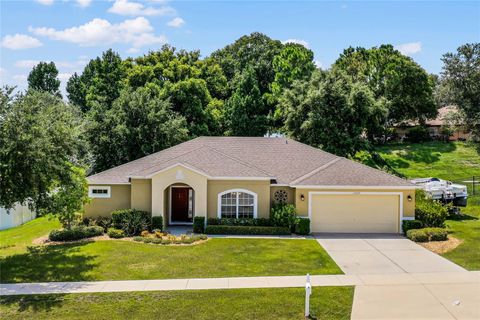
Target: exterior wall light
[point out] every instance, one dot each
(409, 198)
(302, 197)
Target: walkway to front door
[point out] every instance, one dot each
(181, 205)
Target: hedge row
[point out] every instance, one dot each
(427, 234)
(75, 233)
(250, 222)
(246, 230)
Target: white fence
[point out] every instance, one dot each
(14, 217)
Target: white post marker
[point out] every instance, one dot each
(308, 292)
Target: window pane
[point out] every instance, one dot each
(228, 211)
(245, 211)
(245, 199)
(229, 199)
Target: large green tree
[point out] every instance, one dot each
(461, 84)
(404, 88)
(139, 123)
(247, 114)
(100, 82)
(44, 77)
(191, 84)
(40, 141)
(329, 111)
(255, 50)
(294, 62)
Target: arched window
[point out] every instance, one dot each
(237, 203)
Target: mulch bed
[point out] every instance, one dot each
(441, 247)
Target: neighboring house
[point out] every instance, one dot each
(240, 177)
(435, 126)
(16, 216)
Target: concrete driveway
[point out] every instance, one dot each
(382, 254)
(398, 279)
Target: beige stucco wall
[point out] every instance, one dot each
(178, 174)
(290, 193)
(408, 206)
(141, 194)
(119, 199)
(261, 188)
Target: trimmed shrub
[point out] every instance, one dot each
(138, 239)
(157, 223)
(417, 235)
(436, 234)
(261, 222)
(198, 224)
(75, 233)
(283, 215)
(131, 221)
(115, 233)
(302, 226)
(411, 224)
(246, 230)
(431, 212)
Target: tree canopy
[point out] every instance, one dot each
(461, 79)
(405, 88)
(40, 142)
(44, 77)
(315, 109)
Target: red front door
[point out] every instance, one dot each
(182, 199)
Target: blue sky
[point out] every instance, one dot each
(70, 32)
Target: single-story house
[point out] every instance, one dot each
(434, 126)
(241, 177)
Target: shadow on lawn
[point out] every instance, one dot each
(428, 152)
(34, 303)
(48, 263)
(461, 217)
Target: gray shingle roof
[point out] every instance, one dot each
(285, 160)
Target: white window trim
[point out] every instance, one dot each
(219, 202)
(102, 196)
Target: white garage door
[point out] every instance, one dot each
(355, 212)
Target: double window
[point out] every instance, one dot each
(99, 191)
(237, 203)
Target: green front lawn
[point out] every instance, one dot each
(279, 303)
(16, 240)
(451, 161)
(122, 260)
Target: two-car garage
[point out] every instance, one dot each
(355, 212)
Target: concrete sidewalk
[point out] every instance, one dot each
(240, 282)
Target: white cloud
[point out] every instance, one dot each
(45, 2)
(137, 32)
(84, 3)
(409, 48)
(126, 8)
(176, 23)
(297, 41)
(63, 77)
(133, 50)
(26, 63)
(20, 77)
(318, 63)
(29, 64)
(20, 41)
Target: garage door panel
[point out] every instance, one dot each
(355, 213)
